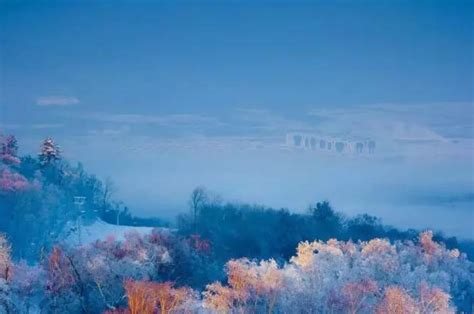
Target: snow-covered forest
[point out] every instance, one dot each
(218, 258)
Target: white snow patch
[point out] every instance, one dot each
(100, 230)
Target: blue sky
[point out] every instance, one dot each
(174, 57)
(185, 93)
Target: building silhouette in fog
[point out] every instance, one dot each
(319, 143)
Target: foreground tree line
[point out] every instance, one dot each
(145, 274)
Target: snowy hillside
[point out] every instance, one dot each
(100, 230)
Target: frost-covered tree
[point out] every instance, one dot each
(92, 276)
(338, 276)
(61, 281)
(11, 181)
(5, 273)
(49, 152)
(26, 286)
(252, 287)
(145, 297)
(323, 277)
(9, 150)
(5, 258)
(430, 300)
(396, 300)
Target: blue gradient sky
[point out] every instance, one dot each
(164, 96)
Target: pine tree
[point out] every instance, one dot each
(50, 152)
(9, 150)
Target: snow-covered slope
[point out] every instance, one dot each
(100, 230)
